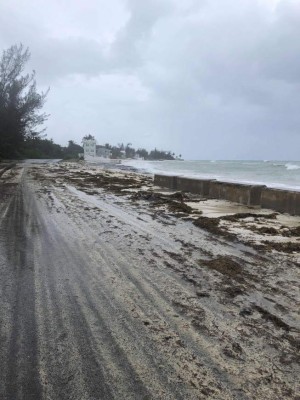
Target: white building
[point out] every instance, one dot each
(102, 151)
(91, 149)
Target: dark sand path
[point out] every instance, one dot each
(104, 298)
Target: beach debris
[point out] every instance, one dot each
(174, 201)
(212, 225)
(218, 227)
(240, 304)
(236, 217)
(233, 350)
(285, 247)
(268, 316)
(246, 312)
(202, 294)
(224, 264)
(295, 231)
(268, 230)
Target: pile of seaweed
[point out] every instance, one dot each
(174, 202)
(213, 226)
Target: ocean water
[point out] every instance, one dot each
(277, 174)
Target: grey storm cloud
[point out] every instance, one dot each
(58, 58)
(203, 78)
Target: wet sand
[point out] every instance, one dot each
(114, 289)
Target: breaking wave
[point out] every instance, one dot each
(292, 166)
(278, 174)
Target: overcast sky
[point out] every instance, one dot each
(210, 79)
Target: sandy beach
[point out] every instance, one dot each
(112, 288)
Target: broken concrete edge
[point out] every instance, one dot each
(284, 201)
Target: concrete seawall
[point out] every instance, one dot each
(166, 181)
(200, 186)
(249, 195)
(281, 200)
(284, 201)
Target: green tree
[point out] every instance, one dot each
(88, 137)
(142, 153)
(129, 151)
(72, 150)
(115, 152)
(160, 155)
(20, 103)
(41, 148)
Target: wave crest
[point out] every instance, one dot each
(292, 166)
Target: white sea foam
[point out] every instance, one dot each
(292, 166)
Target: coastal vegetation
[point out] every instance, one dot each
(20, 104)
(128, 151)
(21, 118)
